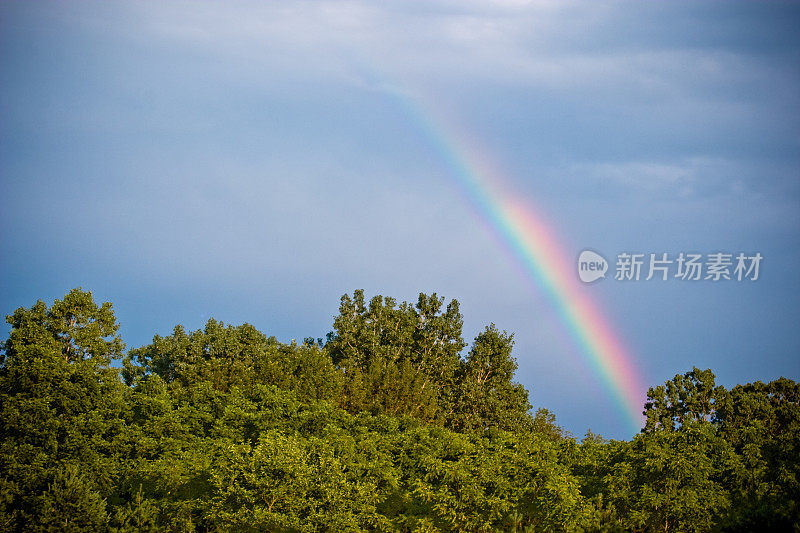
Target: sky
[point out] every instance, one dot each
(254, 161)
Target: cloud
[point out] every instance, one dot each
(603, 51)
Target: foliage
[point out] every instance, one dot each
(386, 427)
(682, 400)
(397, 359)
(486, 395)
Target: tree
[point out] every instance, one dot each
(62, 408)
(487, 397)
(671, 480)
(762, 423)
(496, 481)
(544, 424)
(70, 504)
(399, 359)
(685, 399)
(75, 326)
(234, 356)
(225, 429)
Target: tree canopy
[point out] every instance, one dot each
(392, 424)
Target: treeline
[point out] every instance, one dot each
(384, 426)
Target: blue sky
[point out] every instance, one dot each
(249, 161)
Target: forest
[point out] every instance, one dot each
(393, 422)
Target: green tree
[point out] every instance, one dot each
(75, 327)
(487, 397)
(399, 359)
(70, 504)
(544, 424)
(595, 462)
(762, 423)
(62, 411)
(138, 515)
(682, 400)
(672, 480)
(497, 481)
(234, 356)
(383, 428)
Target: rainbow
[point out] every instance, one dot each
(535, 246)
